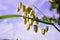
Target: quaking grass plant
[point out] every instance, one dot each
(29, 17)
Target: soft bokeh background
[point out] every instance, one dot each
(13, 28)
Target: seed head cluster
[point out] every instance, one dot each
(29, 12)
(44, 30)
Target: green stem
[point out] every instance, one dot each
(15, 15)
(38, 20)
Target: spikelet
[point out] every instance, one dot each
(19, 6)
(24, 14)
(24, 18)
(46, 29)
(43, 31)
(23, 8)
(35, 28)
(28, 9)
(31, 21)
(27, 26)
(32, 13)
(27, 19)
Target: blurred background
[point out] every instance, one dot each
(13, 28)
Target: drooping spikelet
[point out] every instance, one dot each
(46, 28)
(32, 13)
(35, 28)
(31, 21)
(28, 9)
(27, 26)
(19, 6)
(43, 31)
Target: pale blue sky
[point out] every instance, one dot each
(15, 28)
